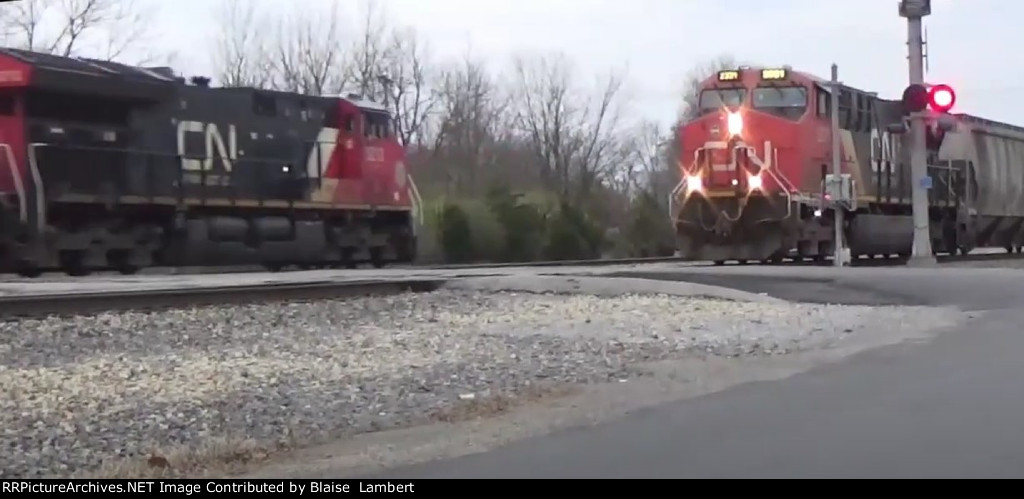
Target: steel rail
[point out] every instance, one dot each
(46, 304)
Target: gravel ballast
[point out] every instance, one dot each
(77, 394)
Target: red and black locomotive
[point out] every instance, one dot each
(108, 166)
(756, 162)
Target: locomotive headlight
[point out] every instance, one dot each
(754, 182)
(694, 183)
(734, 123)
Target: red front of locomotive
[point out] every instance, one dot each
(743, 160)
(366, 158)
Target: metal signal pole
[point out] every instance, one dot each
(839, 242)
(915, 11)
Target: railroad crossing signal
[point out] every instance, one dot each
(937, 98)
(932, 103)
(941, 98)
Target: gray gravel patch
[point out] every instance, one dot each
(76, 394)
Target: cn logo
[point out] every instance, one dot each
(215, 146)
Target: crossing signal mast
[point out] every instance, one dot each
(927, 107)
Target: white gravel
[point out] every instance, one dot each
(75, 393)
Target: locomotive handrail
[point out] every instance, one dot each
(37, 181)
(672, 200)
(416, 199)
(172, 156)
(781, 181)
(19, 187)
(148, 152)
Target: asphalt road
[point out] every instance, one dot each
(949, 408)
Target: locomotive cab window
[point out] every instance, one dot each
(264, 105)
(785, 102)
(824, 101)
(8, 105)
(377, 125)
(712, 100)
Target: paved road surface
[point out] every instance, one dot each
(951, 408)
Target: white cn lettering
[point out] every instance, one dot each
(884, 150)
(214, 143)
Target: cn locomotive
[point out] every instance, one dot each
(110, 166)
(754, 164)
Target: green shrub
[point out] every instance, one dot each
(649, 231)
(428, 237)
(572, 235)
(455, 235)
(522, 225)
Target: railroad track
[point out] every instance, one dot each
(861, 262)
(42, 304)
(942, 259)
(883, 262)
(72, 303)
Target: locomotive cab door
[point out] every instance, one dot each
(345, 165)
(377, 135)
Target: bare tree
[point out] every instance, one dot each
(104, 29)
(573, 133)
(691, 85)
(308, 57)
(653, 161)
(406, 67)
(393, 67)
(369, 53)
(468, 129)
(241, 56)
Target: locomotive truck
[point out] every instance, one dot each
(109, 166)
(755, 166)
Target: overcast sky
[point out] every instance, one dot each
(974, 44)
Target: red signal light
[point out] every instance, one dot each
(941, 98)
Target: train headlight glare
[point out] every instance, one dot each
(734, 123)
(694, 183)
(754, 182)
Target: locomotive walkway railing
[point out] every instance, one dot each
(133, 172)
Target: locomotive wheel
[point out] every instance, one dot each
(719, 262)
(71, 262)
(377, 258)
(741, 262)
(119, 261)
(347, 259)
(31, 272)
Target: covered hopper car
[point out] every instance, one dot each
(108, 166)
(754, 165)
